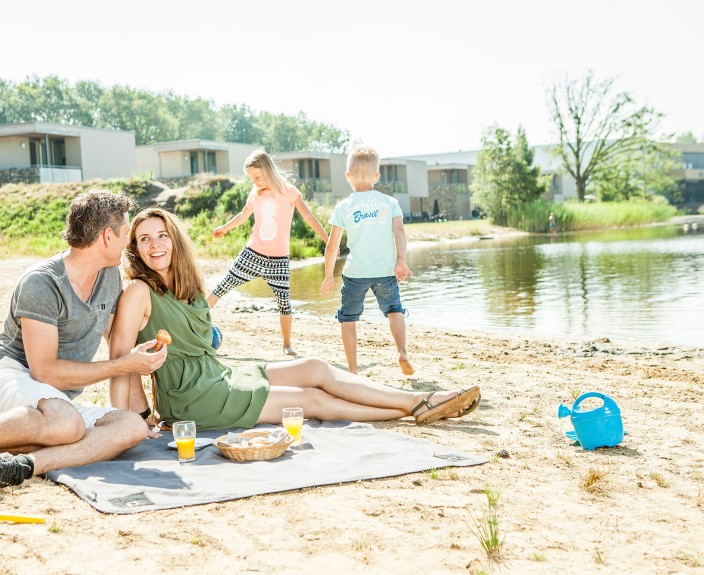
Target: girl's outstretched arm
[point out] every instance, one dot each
(310, 219)
(237, 220)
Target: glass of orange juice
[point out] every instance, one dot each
(292, 418)
(185, 436)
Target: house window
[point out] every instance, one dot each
(309, 169)
(58, 152)
(450, 177)
(388, 173)
(35, 152)
(210, 165)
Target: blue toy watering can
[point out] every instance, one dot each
(600, 427)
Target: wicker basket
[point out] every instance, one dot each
(255, 453)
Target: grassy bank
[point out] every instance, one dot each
(33, 216)
(574, 216)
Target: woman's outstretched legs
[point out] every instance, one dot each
(346, 395)
(317, 404)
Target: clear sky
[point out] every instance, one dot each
(405, 76)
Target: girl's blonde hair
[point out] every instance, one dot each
(187, 279)
(274, 177)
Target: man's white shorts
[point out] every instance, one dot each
(18, 389)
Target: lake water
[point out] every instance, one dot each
(640, 284)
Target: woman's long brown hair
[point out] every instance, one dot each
(187, 279)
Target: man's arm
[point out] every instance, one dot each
(401, 269)
(41, 345)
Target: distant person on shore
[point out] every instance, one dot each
(552, 225)
(166, 291)
(266, 255)
(59, 311)
(377, 259)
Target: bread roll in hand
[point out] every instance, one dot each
(162, 338)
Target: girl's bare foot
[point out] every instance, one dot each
(288, 350)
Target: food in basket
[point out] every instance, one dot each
(254, 445)
(162, 338)
(275, 437)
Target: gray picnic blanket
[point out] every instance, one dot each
(149, 476)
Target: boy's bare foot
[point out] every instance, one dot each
(406, 367)
(288, 350)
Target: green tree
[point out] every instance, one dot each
(47, 99)
(685, 138)
(504, 177)
(239, 124)
(638, 174)
(195, 118)
(596, 126)
(161, 117)
(146, 114)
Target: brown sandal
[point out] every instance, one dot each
(464, 402)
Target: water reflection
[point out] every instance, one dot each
(641, 284)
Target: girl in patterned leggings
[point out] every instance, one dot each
(266, 255)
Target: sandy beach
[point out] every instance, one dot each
(643, 514)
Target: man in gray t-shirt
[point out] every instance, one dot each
(59, 311)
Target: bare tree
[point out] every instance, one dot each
(596, 126)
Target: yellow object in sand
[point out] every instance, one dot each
(21, 518)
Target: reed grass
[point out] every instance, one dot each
(592, 482)
(573, 216)
(485, 528)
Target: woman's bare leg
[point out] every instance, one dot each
(315, 373)
(318, 404)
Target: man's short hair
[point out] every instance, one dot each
(90, 213)
(363, 161)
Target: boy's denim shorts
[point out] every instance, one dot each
(354, 289)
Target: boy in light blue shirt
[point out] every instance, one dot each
(377, 258)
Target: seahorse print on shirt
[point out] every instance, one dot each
(267, 228)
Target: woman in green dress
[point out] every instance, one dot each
(166, 291)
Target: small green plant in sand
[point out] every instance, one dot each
(485, 527)
(565, 458)
(99, 398)
(458, 366)
(599, 556)
(690, 560)
(54, 528)
(592, 482)
(660, 480)
(198, 540)
(432, 473)
(538, 557)
(575, 393)
(361, 545)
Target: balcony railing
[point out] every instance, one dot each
(317, 185)
(38, 174)
(391, 188)
(455, 188)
